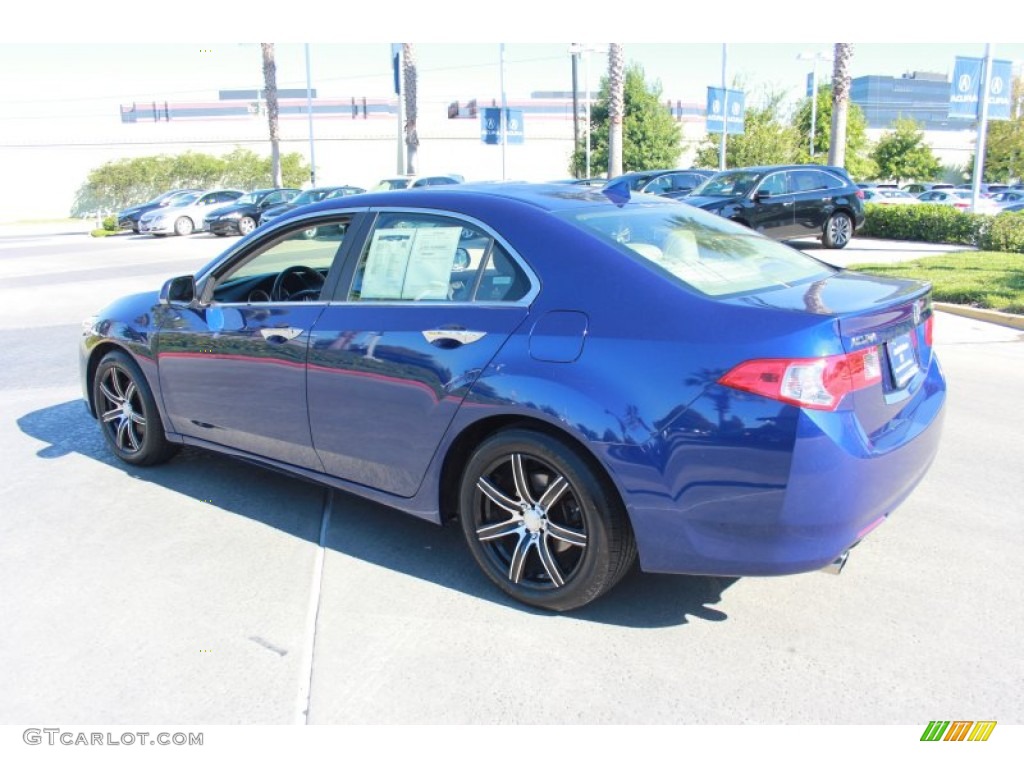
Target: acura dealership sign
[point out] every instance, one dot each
(965, 90)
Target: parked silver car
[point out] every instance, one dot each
(186, 215)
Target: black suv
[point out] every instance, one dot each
(786, 201)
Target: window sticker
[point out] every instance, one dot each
(410, 263)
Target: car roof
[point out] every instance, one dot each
(544, 196)
(798, 167)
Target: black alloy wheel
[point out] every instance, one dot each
(541, 523)
(127, 412)
(838, 230)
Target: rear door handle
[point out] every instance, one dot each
(447, 338)
(280, 335)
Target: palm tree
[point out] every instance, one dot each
(840, 103)
(616, 107)
(412, 139)
(270, 90)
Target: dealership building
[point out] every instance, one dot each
(357, 138)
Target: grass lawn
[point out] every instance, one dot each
(987, 279)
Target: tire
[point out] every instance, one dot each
(559, 553)
(184, 226)
(838, 230)
(246, 224)
(127, 412)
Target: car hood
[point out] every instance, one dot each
(233, 208)
(708, 203)
(277, 210)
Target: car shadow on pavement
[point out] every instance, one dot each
(366, 530)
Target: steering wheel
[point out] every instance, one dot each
(308, 280)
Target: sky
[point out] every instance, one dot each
(120, 51)
(47, 84)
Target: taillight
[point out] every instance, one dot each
(819, 383)
(929, 325)
(860, 193)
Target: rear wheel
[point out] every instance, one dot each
(541, 523)
(183, 226)
(838, 230)
(127, 412)
(246, 224)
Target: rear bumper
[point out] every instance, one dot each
(838, 488)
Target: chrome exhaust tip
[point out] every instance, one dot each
(836, 566)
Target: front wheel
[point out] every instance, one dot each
(184, 226)
(246, 224)
(127, 412)
(838, 230)
(541, 523)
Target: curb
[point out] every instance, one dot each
(986, 315)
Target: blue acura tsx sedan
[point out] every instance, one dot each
(577, 376)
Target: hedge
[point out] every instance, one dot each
(945, 224)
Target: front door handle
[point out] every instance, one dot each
(447, 338)
(280, 335)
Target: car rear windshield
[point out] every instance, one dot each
(705, 252)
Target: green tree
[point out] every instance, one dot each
(840, 132)
(1004, 150)
(410, 83)
(270, 90)
(616, 107)
(128, 181)
(650, 137)
(766, 139)
(902, 154)
(858, 148)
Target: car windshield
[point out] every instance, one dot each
(385, 184)
(637, 180)
(186, 199)
(251, 197)
(309, 196)
(703, 251)
(728, 184)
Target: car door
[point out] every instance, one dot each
(771, 206)
(813, 200)
(417, 316)
(232, 364)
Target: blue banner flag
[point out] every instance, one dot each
(965, 90)
(725, 108)
(490, 126)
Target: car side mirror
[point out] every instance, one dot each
(762, 194)
(179, 290)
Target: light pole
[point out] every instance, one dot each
(575, 49)
(815, 57)
(309, 113)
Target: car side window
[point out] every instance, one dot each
(430, 258)
(807, 181)
(774, 184)
(291, 267)
(659, 185)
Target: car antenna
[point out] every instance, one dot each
(617, 191)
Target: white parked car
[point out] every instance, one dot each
(887, 196)
(186, 215)
(411, 182)
(959, 198)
